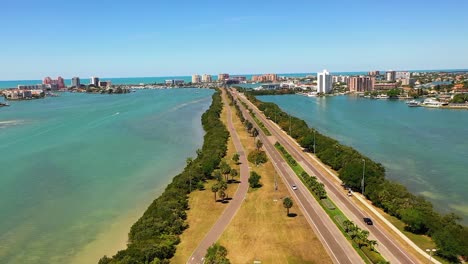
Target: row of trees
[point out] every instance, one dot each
(460, 98)
(417, 213)
(153, 238)
(314, 185)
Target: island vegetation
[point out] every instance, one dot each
(152, 239)
(416, 212)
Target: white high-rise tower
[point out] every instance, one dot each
(324, 82)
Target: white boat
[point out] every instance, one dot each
(413, 103)
(382, 96)
(430, 102)
(312, 94)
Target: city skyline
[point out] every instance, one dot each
(181, 39)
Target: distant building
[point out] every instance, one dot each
(174, 82)
(47, 80)
(196, 78)
(105, 84)
(390, 76)
(76, 82)
(31, 87)
(385, 86)
(94, 81)
(272, 86)
(54, 84)
(324, 82)
(374, 73)
(402, 75)
(361, 83)
(340, 78)
(270, 77)
(207, 78)
(223, 77)
(60, 82)
(408, 81)
(238, 78)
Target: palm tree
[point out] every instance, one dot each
(222, 195)
(361, 238)
(235, 158)
(225, 169)
(347, 224)
(215, 189)
(223, 187)
(353, 231)
(233, 174)
(189, 162)
(287, 203)
(259, 144)
(372, 244)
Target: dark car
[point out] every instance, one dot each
(368, 221)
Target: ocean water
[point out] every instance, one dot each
(77, 170)
(424, 149)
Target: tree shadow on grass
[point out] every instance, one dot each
(292, 215)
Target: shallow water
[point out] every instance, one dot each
(424, 149)
(79, 169)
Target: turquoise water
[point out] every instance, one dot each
(424, 149)
(70, 166)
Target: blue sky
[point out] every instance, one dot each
(160, 38)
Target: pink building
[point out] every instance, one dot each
(361, 84)
(60, 82)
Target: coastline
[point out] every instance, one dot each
(159, 229)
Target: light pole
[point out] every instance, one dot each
(363, 174)
(314, 141)
(430, 251)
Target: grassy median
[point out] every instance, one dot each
(262, 231)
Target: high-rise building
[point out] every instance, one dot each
(60, 82)
(402, 75)
(206, 78)
(76, 82)
(340, 78)
(94, 81)
(223, 76)
(55, 84)
(270, 77)
(324, 82)
(390, 76)
(47, 80)
(374, 73)
(196, 78)
(361, 83)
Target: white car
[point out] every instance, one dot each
(294, 187)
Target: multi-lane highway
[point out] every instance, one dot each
(331, 237)
(388, 247)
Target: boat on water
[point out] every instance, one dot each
(312, 94)
(382, 96)
(413, 103)
(430, 102)
(4, 104)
